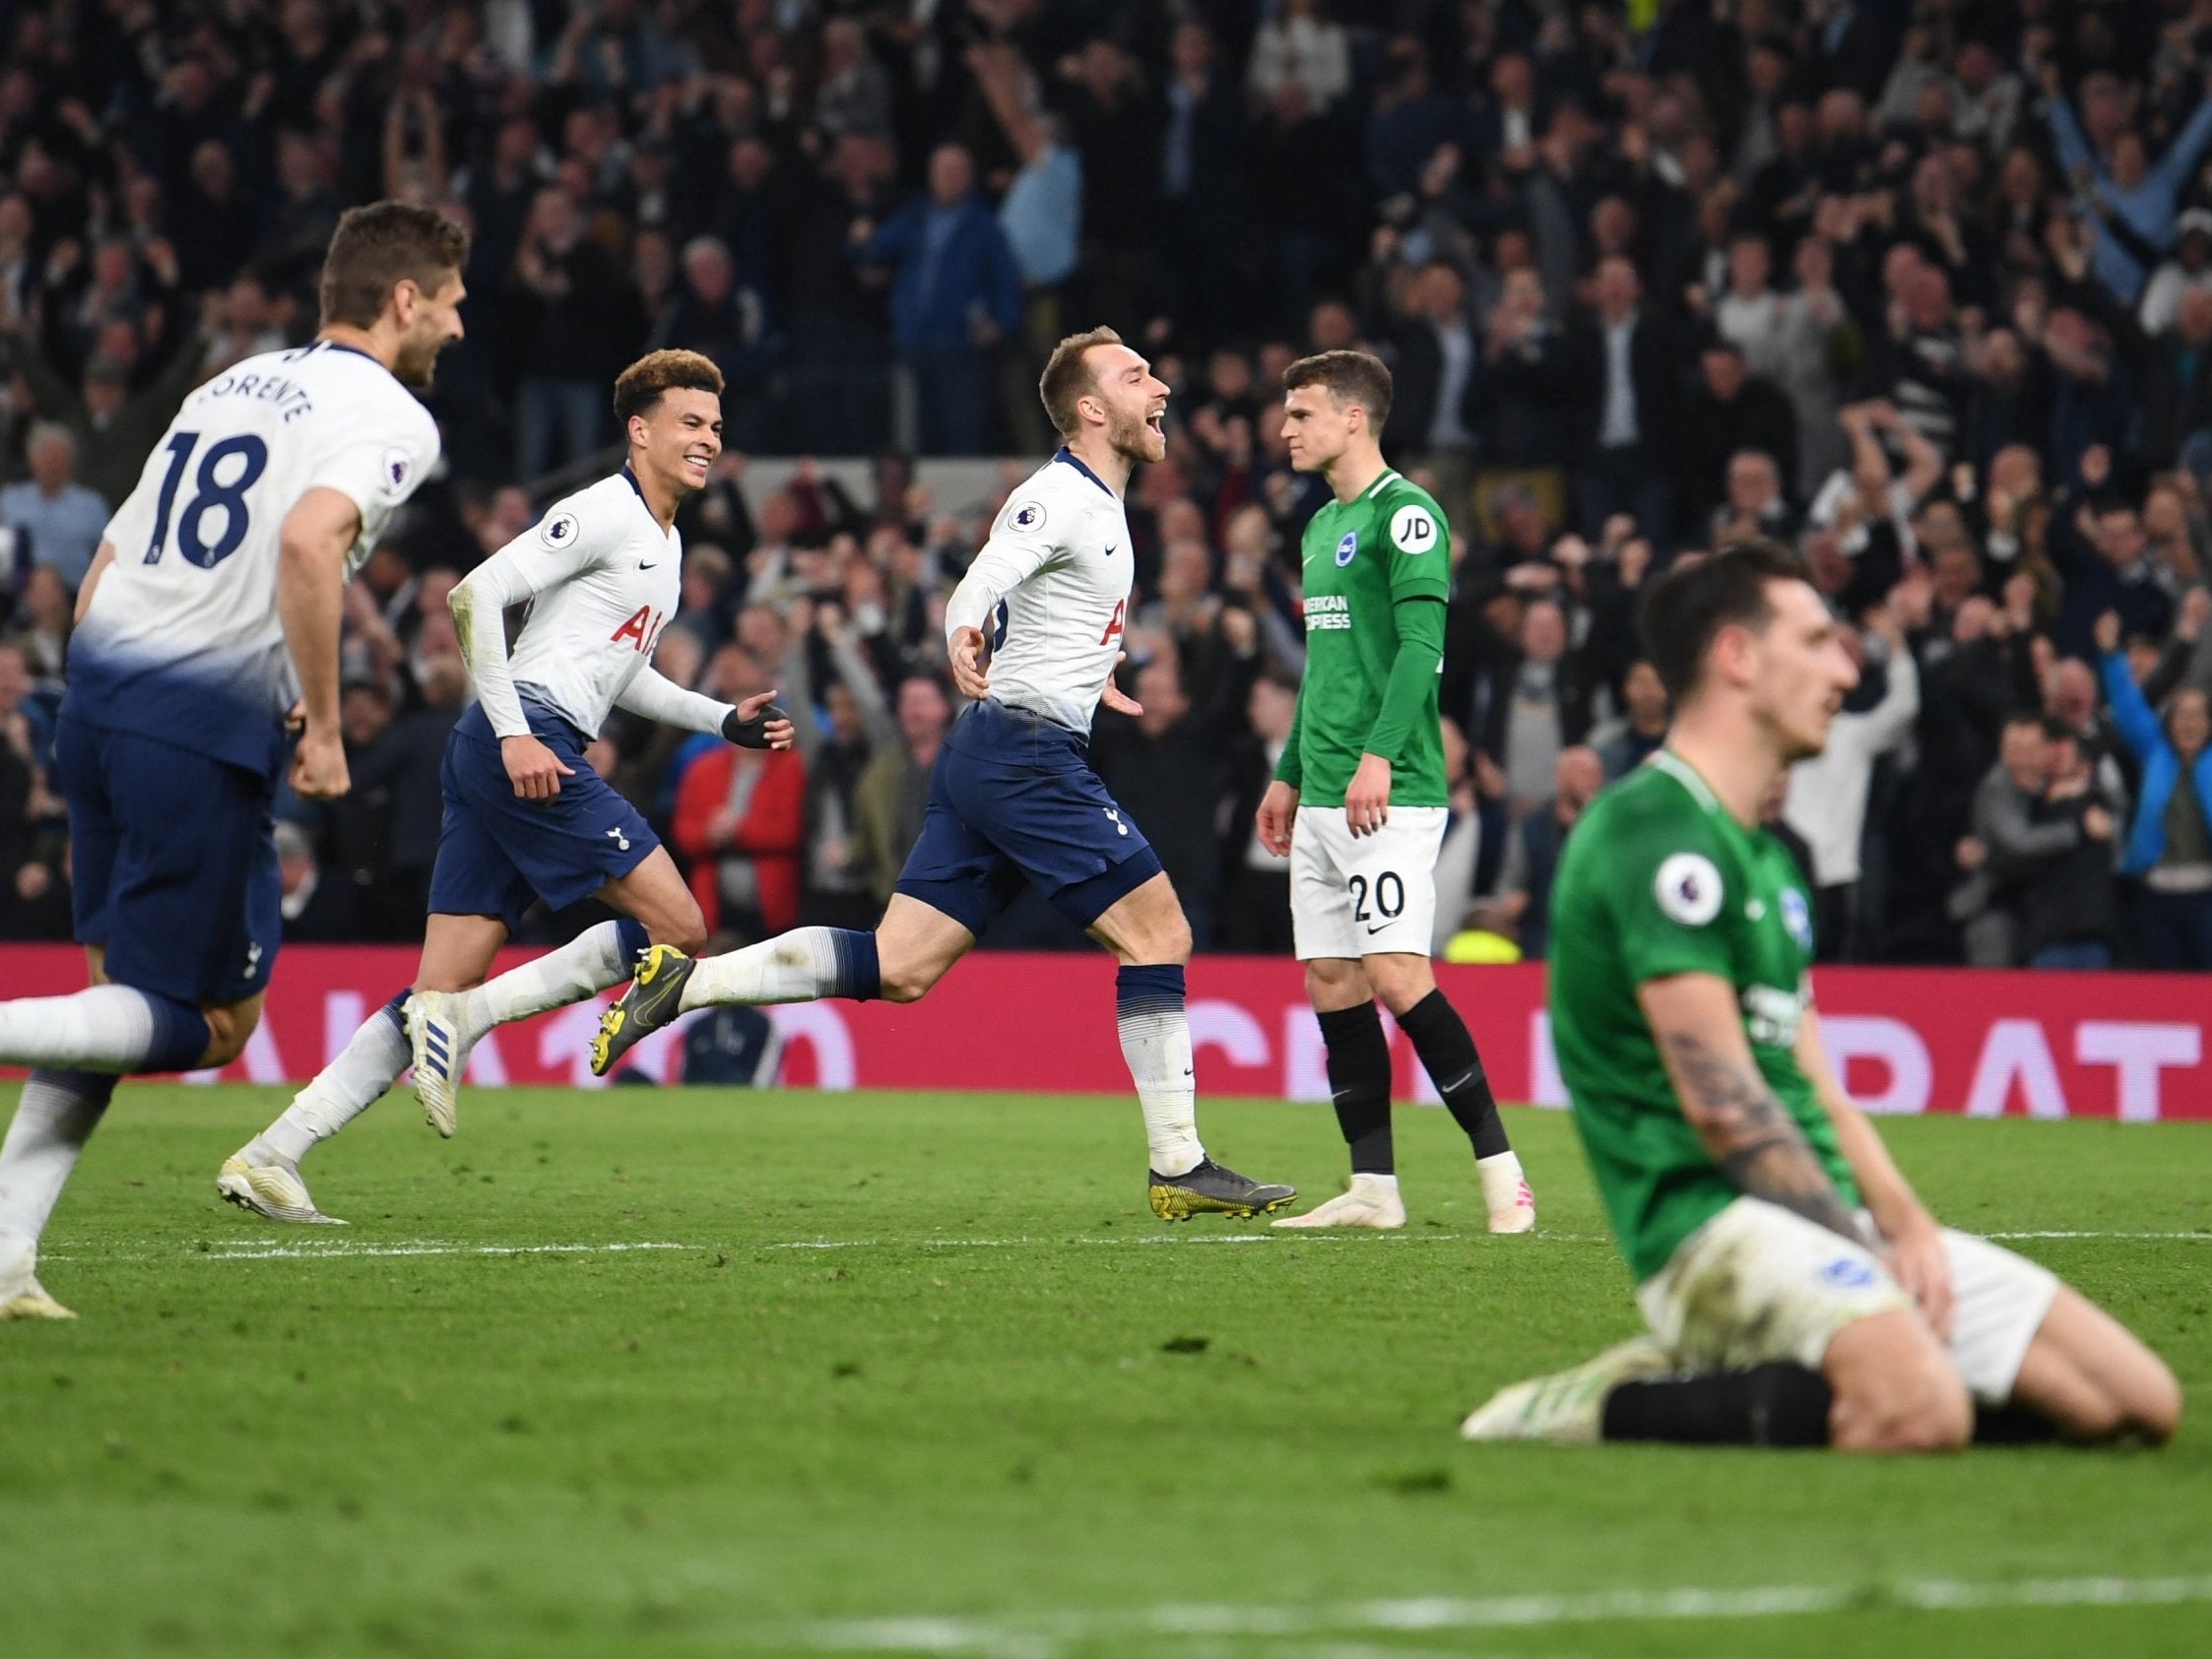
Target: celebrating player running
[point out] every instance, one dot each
(1013, 795)
(210, 614)
(525, 816)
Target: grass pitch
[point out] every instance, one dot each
(691, 1371)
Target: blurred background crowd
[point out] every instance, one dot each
(1924, 286)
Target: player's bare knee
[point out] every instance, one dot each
(1170, 942)
(1897, 1389)
(229, 1032)
(905, 979)
(684, 926)
(1400, 981)
(1334, 982)
(1942, 1421)
(907, 987)
(1916, 1409)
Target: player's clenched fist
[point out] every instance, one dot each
(760, 721)
(318, 765)
(534, 770)
(1279, 812)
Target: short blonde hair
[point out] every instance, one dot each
(1069, 377)
(640, 387)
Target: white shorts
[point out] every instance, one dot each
(1352, 897)
(1759, 1283)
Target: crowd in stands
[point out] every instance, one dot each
(1921, 286)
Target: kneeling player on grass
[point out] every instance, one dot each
(1358, 799)
(1796, 1290)
(524, 815)
(1013, 795)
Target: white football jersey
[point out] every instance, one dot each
(603, 580)
(181, 641)
(1059, 559)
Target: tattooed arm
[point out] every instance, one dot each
(1750, 1134)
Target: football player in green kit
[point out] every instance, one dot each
(1796, 1289)
(1358, 799)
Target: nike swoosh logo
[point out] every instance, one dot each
(655, 565)
(1115, 548)
(1377, 929)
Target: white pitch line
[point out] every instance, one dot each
(272, 1250)
(344, 1248)
(2180, 1238)
(269, 1250)
(1047, 1635)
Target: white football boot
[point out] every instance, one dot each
(1568, 1406)
(435, 1035)
(257, 1180)
(1505, 1189)
(21, 1296)
(1369, 1201)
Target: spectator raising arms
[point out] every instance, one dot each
(1933, 303)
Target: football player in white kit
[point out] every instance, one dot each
(1013, 795)
(525, 817)
(207, 625)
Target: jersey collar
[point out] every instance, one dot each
(352, 350)
(1684, 773)
(1075, 461)
(630, 478)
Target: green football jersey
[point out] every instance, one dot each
(1659, 880)
(1360, 558)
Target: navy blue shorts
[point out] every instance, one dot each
(1012, 798)
(497, 851)
(173, 863)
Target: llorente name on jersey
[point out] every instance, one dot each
(1328, 610)
(264, 388)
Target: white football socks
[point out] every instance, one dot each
(361, 1074)
(54, 1117)
(585, 966)
(799, 966)
(102, 1028)
(371, 1062)
(1157, 1045)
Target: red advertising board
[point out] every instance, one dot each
(2125, 1046)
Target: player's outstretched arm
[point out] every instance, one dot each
(1916, 1255)
(757, 723)
(311, 548)
(1749, 1133)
